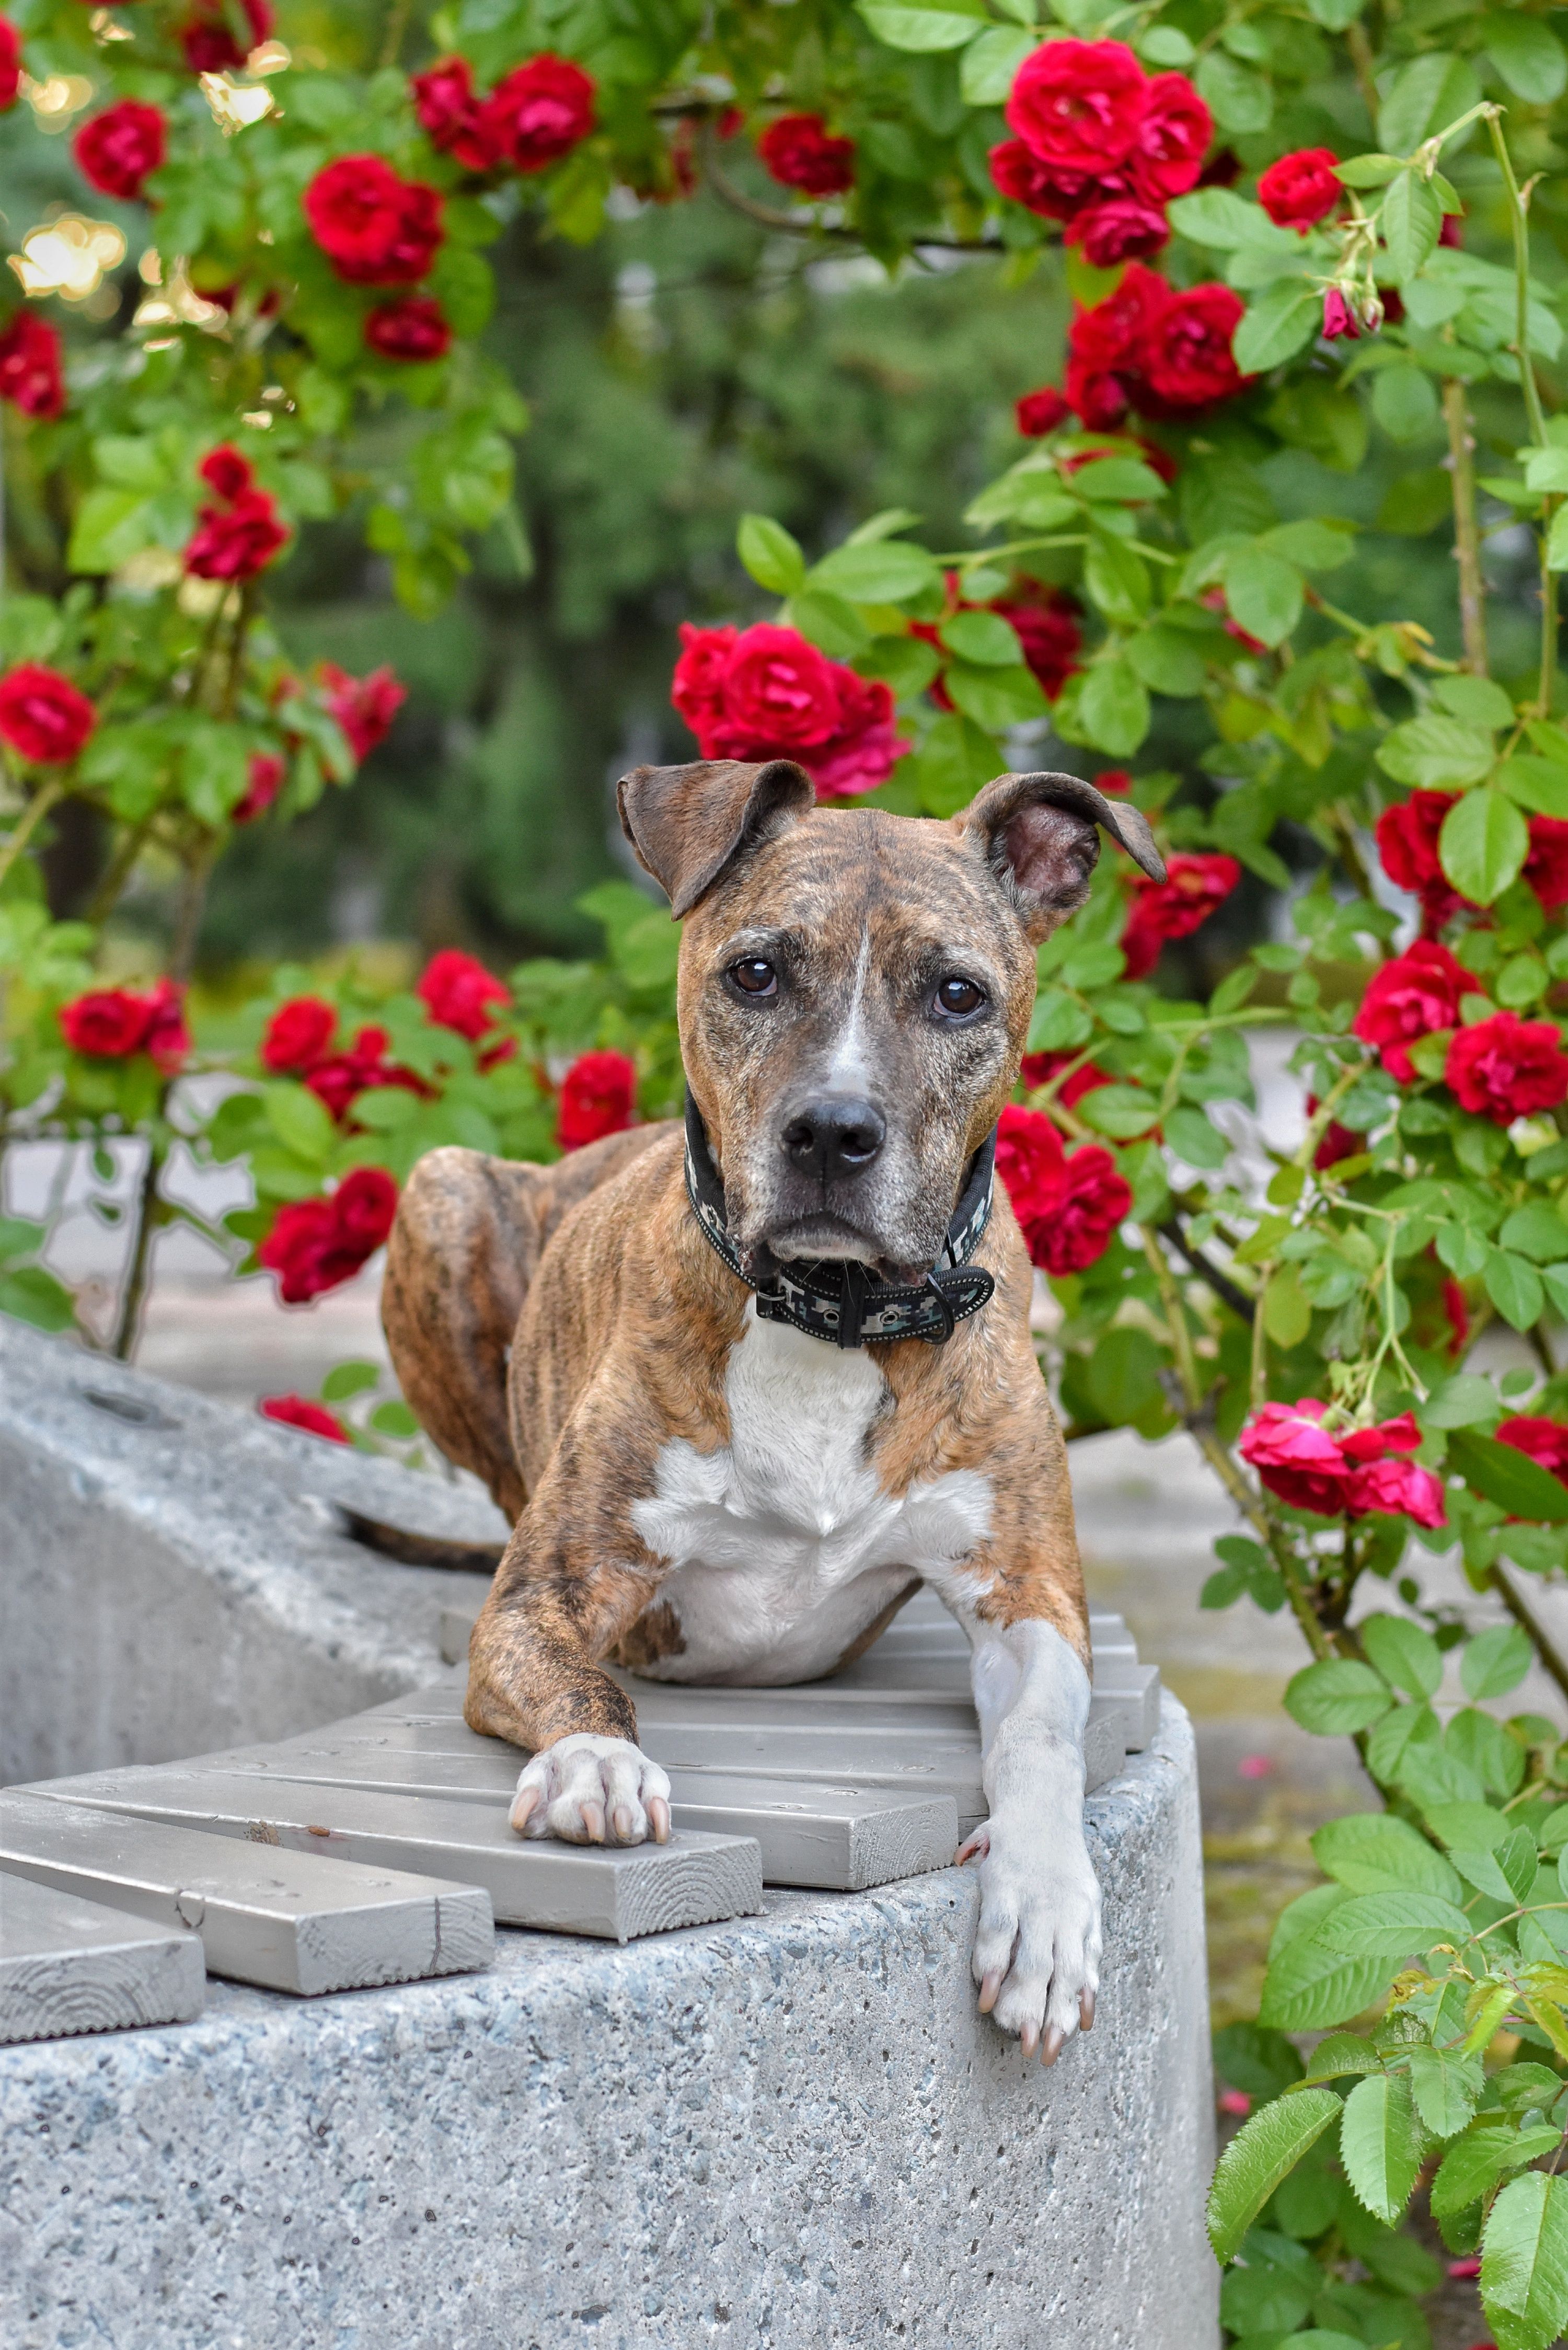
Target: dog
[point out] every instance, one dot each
(744, 1385)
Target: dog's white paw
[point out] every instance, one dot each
(1037, 1944)
(590, 1790)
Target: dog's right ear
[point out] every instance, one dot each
(688, 824)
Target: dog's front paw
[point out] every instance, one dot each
(1038, 1945)
(590, 1790)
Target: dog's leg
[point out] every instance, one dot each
(1038, 1945)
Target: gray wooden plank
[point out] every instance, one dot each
(837, 1839)
(565, 1888)
(288, 1920)
(68, 1965)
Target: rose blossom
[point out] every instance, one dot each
(301, 1412)
(209, 44)
(598, 1095)
(764, 693)
(313, 1244)
(799, 151)
(1414, 995)
(1042, 188)
(112, 1023)
(1299, 188)
(412, 329)
(338, 1078)
(263, 781)
(1184, 354)
(456, 990)
(1029, 1160)
(10, 65)
(1396, 1486)
(1105, 344)
(237, 540)
(166, 1040)
(1506, 1068)
(538, 113)
(374, 228)
(1040, 412)
(297, 1034)
(227, 472)
(1039, 1068)
(1048, 633)
(42, 714)
(116, 149)
(1295, 1457)
(1546, 867)
(1544, 1440)
(1079, 104)
(1338, 318)
(1173, 137)
(30, 371)
(1173, 909)
(1120, 230)
(1407, 836)
(449, 114)
(1068, 1209)
(365, 706)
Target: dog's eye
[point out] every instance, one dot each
(754, 976)
(959, 997)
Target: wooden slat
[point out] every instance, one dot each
(290, 1921)
(68, 1965)
(566, 1889)
(840, 1838)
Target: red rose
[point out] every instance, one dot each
(299, 1412)
(313, 1244)
(1081, 1222)
(1042, 188)
(413, 327)
(209, 46)
(366, 1202)
(364, 707)
(1458, 1314)
(1338, 1143)
(10, 65)
(867, 747)
(1546, 867)
(1104, 348)
(166, 1039)
(1049, 634)
(1415, 995)
(1395, 1487)
(1299, 188)
(599, 1094)
(297, 1034)
(457, 991)
(539, 113)
(339, 1078)
(110, 1023)
(374, 228)
(1408, 838)
(226, 472)
(1184, 352)
(1338, 318)
(451, 116)
(697, 687)
(1039, 1068)
(1544, 1439)
(30, 370)
(799, 151)
(236, 541)
(1173, 137)
(1295, 1457)
(1506, 1068)
(1029, 1160)
(42, 716)
(1121, 230)
(116, 149)
(764, 693)
(263, 782)
(1040, 412)
(1176, 906)
(1452, 231)
(1115, 780)
(1079, 103)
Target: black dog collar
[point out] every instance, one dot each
(839, 1302)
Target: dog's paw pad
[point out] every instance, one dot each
(591, 1790)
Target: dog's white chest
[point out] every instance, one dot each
(783, 1544)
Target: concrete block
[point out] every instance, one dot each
(69, 1966)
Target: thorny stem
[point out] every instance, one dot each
(1279, 1549)
(1317, 1126)
(1176, 1320)
(1348, 849)
(27, 823)
(396, 26)
(1520, 221)
(1467, 534)
(134, 1296)
(1362, 61)
(119, 870)
(198, 873)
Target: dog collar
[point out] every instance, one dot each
(838, 1301)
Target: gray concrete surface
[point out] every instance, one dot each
(780, 2133)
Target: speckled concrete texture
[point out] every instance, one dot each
(781, 2133)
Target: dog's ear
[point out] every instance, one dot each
(687, 823)
(1039, 835)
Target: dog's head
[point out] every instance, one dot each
(855, 988)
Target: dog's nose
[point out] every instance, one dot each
(835, 1136)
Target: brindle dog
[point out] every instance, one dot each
(701, 1494)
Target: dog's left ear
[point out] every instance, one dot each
(1039, 835)
(688, 823)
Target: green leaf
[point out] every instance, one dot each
(1390, 1741)
(1117, 580)
(995, 699)
(1264, 593)
(1287, 1308)
(1524, 2263)
(1120, 1111)
(1475, 2162)
(1463, 1401)
(990, 63)
(888, 571)
(1380, 2144)
(1411, 219)
(1539, 785)
(394, 1418)
(1476, 699)
(1222, 220)
(1404, 402)
(1510, 1478)
(303, 1124)
(1270, 2144)
(771, 557)
(1527, 54)
(835, 627)
(1123, 1374)
(1338, 2057)
(1335, 1698)
(922, 29)
(1436, 754)
(1373, 1852)
(1496, 1661)
(111, 526)
(1113, 708)
(1483, 843)
(1392, 1924)
(1240, 100)
(1275, 329)
(1403, 1654)
(345, 1379)
(991, 642)
(1194, 1138)
(1446, 2087)
(1307, 1985)
(1428, 93)
(1514, 1288)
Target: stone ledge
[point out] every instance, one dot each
(781, 2132)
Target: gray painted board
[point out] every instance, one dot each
(68, 1965)
(288, 1920)
(566, 1889)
